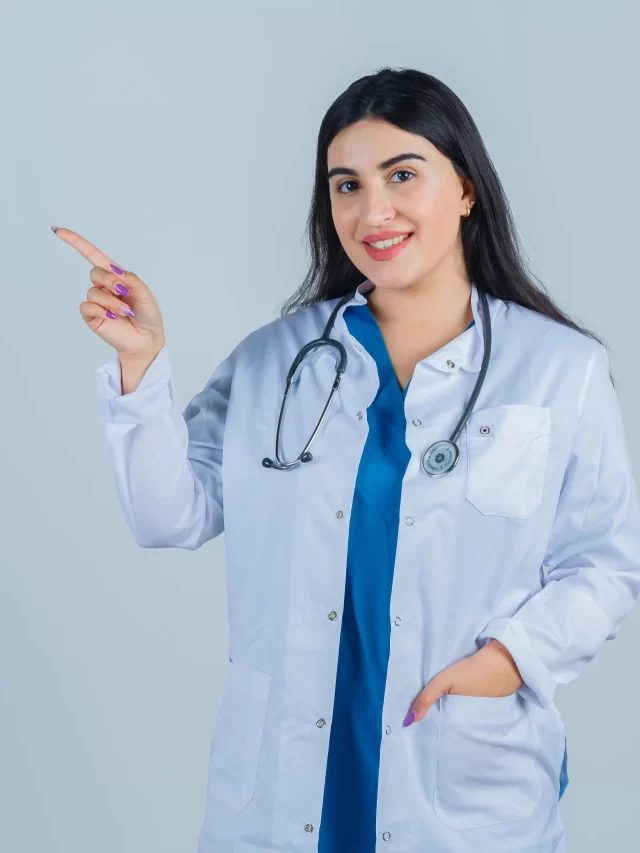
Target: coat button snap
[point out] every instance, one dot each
(397, 620)
(339, 514)
(308, 827)
(408, 520)
(333, 615)
(450, 363)
(386, 836)
(416, 422)
(388, 730)
(320, 723)
(359, 415)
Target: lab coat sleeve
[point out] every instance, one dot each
(593, 552)
(167, 463)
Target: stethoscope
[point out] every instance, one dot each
(440, 457)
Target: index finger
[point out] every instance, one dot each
(87, 250)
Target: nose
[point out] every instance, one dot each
(376, 207)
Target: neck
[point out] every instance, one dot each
(438, 305)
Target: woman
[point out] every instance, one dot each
(404, 597)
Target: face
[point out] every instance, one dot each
(424, 197)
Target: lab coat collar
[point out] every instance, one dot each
(465, 351)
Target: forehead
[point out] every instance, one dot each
(366, 143)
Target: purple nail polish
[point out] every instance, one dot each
(116, 269)
(111, 314)
(409, 718)
(121, 289)
(54, 228)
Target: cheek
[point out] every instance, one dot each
(437, 221)
(342, 222)
(343, 214)
(346, 225)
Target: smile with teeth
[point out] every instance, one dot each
(384, 244)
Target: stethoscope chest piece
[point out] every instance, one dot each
(440, 458)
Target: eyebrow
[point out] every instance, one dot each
(343, 170)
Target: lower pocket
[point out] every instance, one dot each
(237, 736)
(487, 764)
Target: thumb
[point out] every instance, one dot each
(436, 688)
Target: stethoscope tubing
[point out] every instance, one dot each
(441, 456)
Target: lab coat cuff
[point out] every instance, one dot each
(154, 394)
(538, 683)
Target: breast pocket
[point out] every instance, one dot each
(507, 449)
(237, 737)
(487, 765)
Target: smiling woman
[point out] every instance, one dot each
(425, 201)
(363, 584)
(407, 198)
(415, 164)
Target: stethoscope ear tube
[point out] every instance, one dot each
(323, 340)
(307, 348)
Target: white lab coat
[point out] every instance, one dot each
(533, 538)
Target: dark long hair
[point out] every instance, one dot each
(420, 103)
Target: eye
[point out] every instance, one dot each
(397, 172)
(403, 172)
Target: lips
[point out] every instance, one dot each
(390, 252)
(384, 235)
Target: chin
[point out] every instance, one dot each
(388, 279)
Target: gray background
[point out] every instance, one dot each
(180, 138)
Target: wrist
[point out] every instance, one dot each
(142, 356)
(495, 651)
(134, 367)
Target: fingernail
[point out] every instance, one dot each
(127, 311)
(410, 718)
(54, 228)
(121, 289)
(116, 269)
(111, 314)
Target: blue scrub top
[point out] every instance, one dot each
(348, 822)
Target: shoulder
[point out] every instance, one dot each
(548, 360)
(285, 334)
(549, 337)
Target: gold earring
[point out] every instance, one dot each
(468, 213)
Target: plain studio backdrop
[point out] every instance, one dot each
(180, 138)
